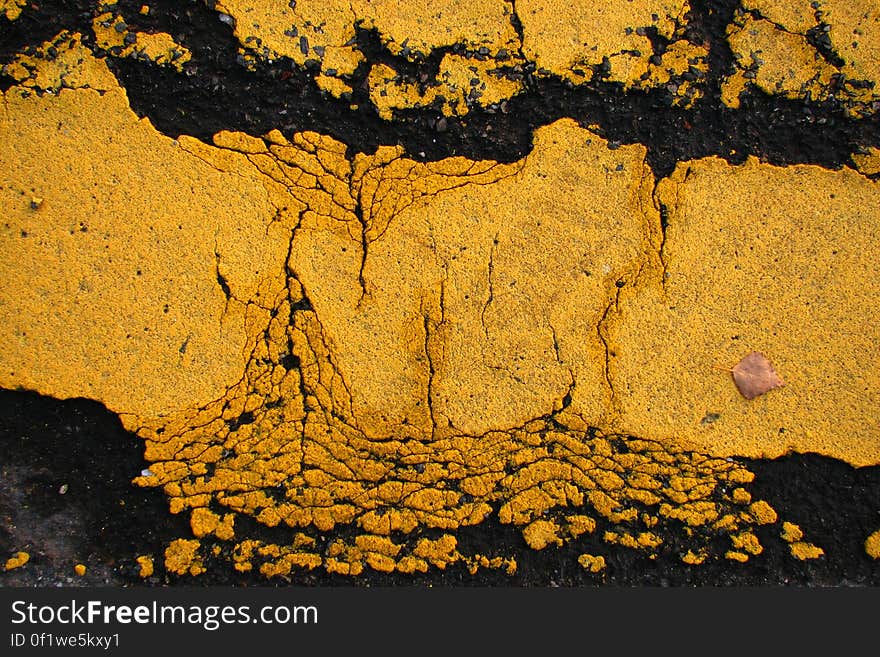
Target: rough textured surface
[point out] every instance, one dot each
(756, 258)
(354, 359)
(11, 8)
(113, 35)
(776, 61)
(868, 162)
(119, 287)
(826, 51)
(461, 319)
(72, 67)
(567, 38)
(490, 49)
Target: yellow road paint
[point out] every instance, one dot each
(872, 545)
(694, 558)
(747, 542)
(181, 557)
(461, 84)
(593, 563)
(868, 162)
(791, 533)
(541, 533)
(17, 561)
(320, 32)
(760, 258)
(419, 27)
(578, 42)
(381, 347)
(203, 522)
(564, 38)
(113, 35)
(773, 53)
(800, 549)
(60, 63)
(680, 57)
(145, 563)
(781, 63)
(124, 254)
(11, 9)
(804, 551)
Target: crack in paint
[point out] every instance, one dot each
(285, 446)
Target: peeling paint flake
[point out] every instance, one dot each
(11, 9)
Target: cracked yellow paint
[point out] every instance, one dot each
(112, 34)
(778, 62)
(541, 533)
(474, 81)
(680, 57)
(204, 521)
(565, 38)
(803, 551)
(575, 41)
(747, 542)
(580, 524)
(762, 513)
(791, 16)
(181, 557)
(321, 32)
(394, 350)
(491, 365)
(763, 258)
(17, 561)
(333, 86)
(323, 35)
(578, 42)
(742, 496)
(854, 32)
(325, 31)
(461, 84)
(278, 561)
(868, 162)
(694, 558)
(773, 52)
(11, 9)
(145, 564)
(791, 533)
(123, 255)
(800, 549)
(735, 555)
(60, 63)
(593, 563)
(388, 92)
(872, 545)
(508, 564)
(641, 541)
(425, 25)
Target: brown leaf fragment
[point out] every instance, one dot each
(754, 375)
